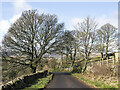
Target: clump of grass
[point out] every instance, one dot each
(41, 83)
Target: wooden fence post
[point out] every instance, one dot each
(113, 58)
(100, 62)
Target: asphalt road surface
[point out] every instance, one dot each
(65, 80)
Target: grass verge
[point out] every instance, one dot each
(94, 83)
(41, 83)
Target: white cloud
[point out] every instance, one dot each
(77, 20)
(73, 23)
(4, 26)
(101, 20)
(112, 19)
(20, 5)
(14, 18)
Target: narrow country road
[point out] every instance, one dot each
(65, 80)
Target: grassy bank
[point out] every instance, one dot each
(40, 83)
(95, 81)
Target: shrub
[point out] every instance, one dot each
(77, 69)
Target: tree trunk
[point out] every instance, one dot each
(101, 58)
(74, 57)
(102, 54)
(33, 68)
(66, 58)
(74, 54)
(71, 56)
(85, 65)
(107, 47)
(107, 53)
(73, 63)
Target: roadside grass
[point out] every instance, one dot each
(96, 84)
(41, 83)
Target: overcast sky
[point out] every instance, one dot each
(68, 12)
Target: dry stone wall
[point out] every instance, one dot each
(23, 81)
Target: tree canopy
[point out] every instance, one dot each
(32, 35)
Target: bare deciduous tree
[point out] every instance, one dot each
(31, 36)
(86, 37)
(65, 47)
(107, 32)
(100, 46)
